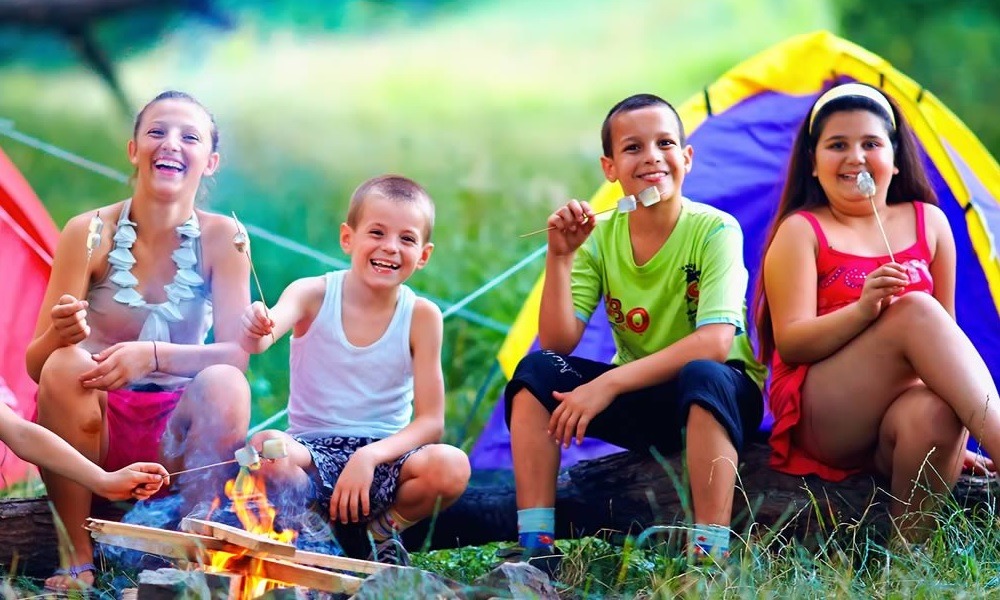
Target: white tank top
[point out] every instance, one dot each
(337, 388)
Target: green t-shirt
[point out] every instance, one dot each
(697, 278)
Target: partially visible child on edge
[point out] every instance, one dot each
(40, 446)
(673, 281)
(366, 397)
(870, 369)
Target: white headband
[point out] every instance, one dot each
(852, 89)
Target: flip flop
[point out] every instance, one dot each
(74, 572)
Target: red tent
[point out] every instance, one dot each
(27, 241)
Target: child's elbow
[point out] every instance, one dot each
(555, 342)
(719, 345)
(240, 358)
(437, 432)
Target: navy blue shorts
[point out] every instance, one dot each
(652, 417)
(330, 456)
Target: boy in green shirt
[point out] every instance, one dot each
(673, 282)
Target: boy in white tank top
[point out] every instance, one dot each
(366, 397)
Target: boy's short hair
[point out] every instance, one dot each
(396, 188)
(629, 104)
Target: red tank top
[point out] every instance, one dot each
(839, 279)
(840, 276)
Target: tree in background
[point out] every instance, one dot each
(951, 48)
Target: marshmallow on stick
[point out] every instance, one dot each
(866, 185)
(274, 449)
(649, 196)
(241, 241)
(246, 456)
(94, 229)
(626, 204)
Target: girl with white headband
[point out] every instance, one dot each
(870, 371)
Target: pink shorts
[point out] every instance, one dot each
(136, 422)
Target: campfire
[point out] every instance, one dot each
(253, 560)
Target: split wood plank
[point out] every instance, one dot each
(309, 577)
(240, 537)
(340, 563)
(288, 552)
(193, 546)
(173, 544)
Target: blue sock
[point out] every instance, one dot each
(710, 541)
(536, 527)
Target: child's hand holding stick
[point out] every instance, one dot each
(647, 197)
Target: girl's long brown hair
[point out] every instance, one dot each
(803, 192)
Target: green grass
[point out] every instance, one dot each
(961, 559)
(496, 110)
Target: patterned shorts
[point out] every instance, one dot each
(330, 456)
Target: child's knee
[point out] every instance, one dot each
(934, 426)
(447, 469)
(915, 312)
(61, 369)
(221, 397)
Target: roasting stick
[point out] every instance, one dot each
(647, 197)
(241, 241)
(248, 456)
(866, 185)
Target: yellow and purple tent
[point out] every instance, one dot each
(742, 127)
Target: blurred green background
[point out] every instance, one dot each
(495, 106)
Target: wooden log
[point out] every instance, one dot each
(628, 492)
(28, 537)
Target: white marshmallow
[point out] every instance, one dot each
(626, 204)
(247, 457)
(866, 185)
(649, 196)
(273, 449)
(241, 241)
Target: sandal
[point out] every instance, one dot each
(74, 572)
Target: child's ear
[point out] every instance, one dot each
(608, 165)
(425, 255)
(345, 237)
(213, 164)
(688, 158)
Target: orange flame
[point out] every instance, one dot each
(249, 499)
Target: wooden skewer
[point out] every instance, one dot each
(550, 228)
(218, 464)
(878, 220)
(866, 184)
(244, 248)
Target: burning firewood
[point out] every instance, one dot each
(253, 557)
(223, 532)
(238, 537)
